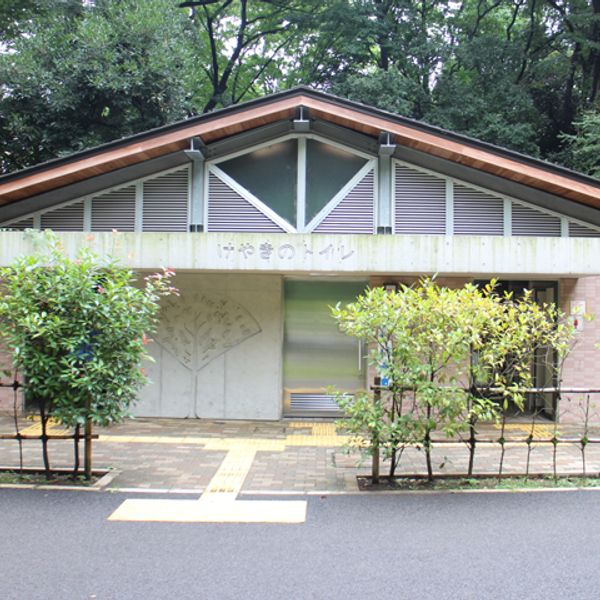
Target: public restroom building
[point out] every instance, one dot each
(272, 210)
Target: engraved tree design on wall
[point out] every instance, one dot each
(197, 328)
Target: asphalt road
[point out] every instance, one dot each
(58, 545)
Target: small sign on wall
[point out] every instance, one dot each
(577, 314)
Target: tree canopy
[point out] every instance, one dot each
(519, 73)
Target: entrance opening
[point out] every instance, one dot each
(315, 354)
(543, 367)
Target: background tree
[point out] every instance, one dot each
(77, 329)
(81, 78)
(517, 73)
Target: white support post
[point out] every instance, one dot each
(449, 207)
(301, 185)
(384, 188)
(507, 217)
(564, 227)
(197, 190)
(139, 205)
(87, 214)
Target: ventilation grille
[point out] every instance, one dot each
(528, 221)
(21, 225)
(115, 210)
(420, 202)
(305, 405)
(355, 213)
(477, 213)
(67, 218)
(166, 202)
(577, 230)
(228, 211)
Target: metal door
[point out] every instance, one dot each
(316, 355)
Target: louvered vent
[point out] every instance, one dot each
(528, 221)
(355, 213)
(66, 218)
(22, 225)
(312, 405)
(420, 202)
(578, 230)
(115, 210)
(477, 213)
(166, 202)
(228, 211)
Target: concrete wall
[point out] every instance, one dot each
(461, 255)
(218, 350)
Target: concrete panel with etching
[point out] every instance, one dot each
(217, 350)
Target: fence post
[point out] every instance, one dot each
(87, 459)
(375, 442)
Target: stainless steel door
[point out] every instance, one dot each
(316, 355)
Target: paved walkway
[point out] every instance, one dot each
(286, 456)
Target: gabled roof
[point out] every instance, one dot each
(229, 121)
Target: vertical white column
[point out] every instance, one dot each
(383, 206)
(139, 205)
(301, 185)
(507, 217)
(87, 214)
(197, 189)
(449, 207)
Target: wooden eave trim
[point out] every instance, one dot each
(151, 147)
(244, 119)
(461, 153)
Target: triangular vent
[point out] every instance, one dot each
(67, 218)
(477, 213)
(166, 202)
(578, 230)
(115, 210)
(355, 213)
(532, 222)
(228, 211)
(420, 202)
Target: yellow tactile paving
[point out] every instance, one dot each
(36, 427)
(218, 503)
(538, 431)
(230, 476)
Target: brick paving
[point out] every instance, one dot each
(184, 455)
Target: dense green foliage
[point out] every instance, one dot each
(77, 329)
(518, 73)
(452, 357)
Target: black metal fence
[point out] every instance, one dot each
(577, 403)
